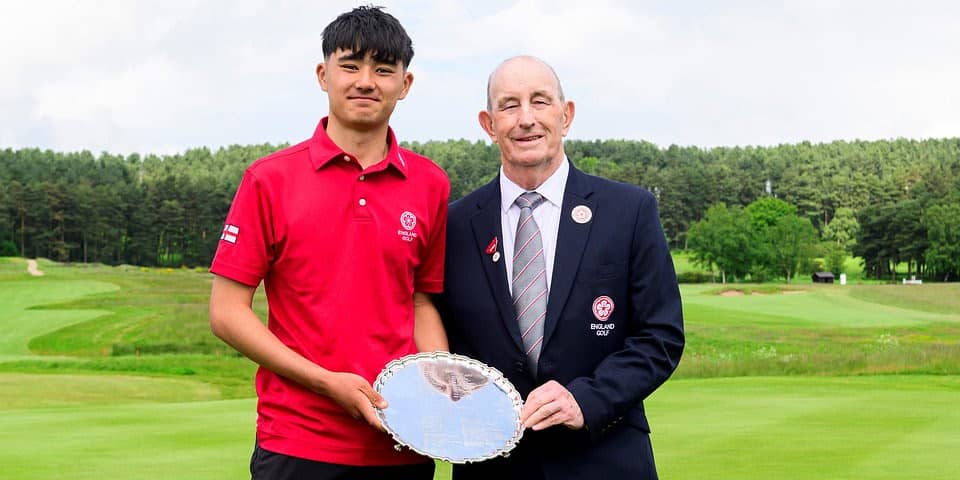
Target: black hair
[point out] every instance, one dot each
(369, 29)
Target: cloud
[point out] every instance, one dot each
(162, 77)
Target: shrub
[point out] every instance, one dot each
(694, 277)
(8, 249)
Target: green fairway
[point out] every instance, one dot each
(197, 440)
(112, 372)
(877, 427)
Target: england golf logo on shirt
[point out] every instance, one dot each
(230, 233)
(602, 309)
(408, 221)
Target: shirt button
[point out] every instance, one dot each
(362, 177)
(346, 158)
(363, 202)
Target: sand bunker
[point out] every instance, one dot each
(731, 293)
(32, 268)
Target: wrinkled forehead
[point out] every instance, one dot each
(523, 77)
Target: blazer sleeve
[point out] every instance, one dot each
(652, 350)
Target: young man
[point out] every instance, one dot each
(562, 281)
(346, 232)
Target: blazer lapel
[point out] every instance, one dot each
(486, 227)
(571, 241)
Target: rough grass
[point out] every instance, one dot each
(115, 320)
(25, 390)
(21, 322)
(933, 297)
(163, 310)
(827, 330)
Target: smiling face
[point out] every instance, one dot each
(363, 91)
(527, 118)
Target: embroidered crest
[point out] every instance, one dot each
(408, 220)
(603, 308)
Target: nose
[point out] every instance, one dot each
(364, 79)
(527, 118)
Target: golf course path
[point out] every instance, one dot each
(32, 268)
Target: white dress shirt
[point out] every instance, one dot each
(547, 216)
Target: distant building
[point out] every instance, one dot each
(823, 277)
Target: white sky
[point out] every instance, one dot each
(163, 76)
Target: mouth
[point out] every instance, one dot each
(363, 99)
(527, 138)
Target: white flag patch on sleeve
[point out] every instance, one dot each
(230, 233)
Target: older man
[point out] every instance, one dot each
(563, 281)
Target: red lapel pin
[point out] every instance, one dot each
(492, 246)
(492, 250)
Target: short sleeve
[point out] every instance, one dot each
(245, 249)
(429, 275)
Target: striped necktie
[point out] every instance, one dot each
(529, 278)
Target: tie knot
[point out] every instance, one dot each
(529, 200)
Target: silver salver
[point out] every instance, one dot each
(449, 407)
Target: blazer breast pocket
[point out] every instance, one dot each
(602, 273)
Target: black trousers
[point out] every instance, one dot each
(266, 465)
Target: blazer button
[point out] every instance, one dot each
(519, 366)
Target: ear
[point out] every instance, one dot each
(568, 110)
(486, 123)
(321, 79)
(407, 82)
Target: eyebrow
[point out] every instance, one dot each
(535, 94)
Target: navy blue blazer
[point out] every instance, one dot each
(609, 363)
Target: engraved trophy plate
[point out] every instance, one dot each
(449, 407)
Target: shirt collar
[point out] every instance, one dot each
(551, 189)
(323, 150)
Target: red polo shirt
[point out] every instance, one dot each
(340, 250)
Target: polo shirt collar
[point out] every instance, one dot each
(323, 150)
(551, 189)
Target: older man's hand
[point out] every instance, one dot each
(551, 404)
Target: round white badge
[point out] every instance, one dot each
(496, 257)
(603, 308)
(408, 220)
(581, 214)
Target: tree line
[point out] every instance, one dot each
(766, 239)
(889, 201)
